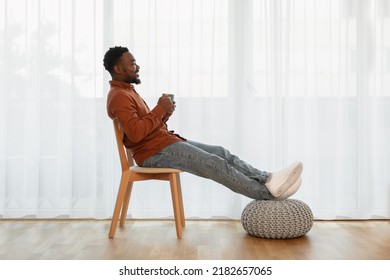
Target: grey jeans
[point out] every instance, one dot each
(215, 163)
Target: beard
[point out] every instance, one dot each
(134, 80)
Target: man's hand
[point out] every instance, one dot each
(167, 104)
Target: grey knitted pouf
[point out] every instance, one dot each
(274, 219)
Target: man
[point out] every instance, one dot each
(152, 145)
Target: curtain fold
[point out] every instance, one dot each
(274, 81)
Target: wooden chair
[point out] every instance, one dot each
(132, 173)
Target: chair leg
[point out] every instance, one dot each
(119, 202)
(176, 204)
(183, 220)
(126, 204)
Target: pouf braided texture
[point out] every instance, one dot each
(275, 219)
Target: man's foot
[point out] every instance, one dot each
(290, 191)
(281, 180)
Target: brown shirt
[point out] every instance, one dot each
(145, 132)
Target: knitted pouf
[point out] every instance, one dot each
(275, 219)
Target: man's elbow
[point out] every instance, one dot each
(135, 135)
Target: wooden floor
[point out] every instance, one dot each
(202, 240)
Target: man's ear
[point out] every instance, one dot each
(117, 69)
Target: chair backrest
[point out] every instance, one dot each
(125, 155)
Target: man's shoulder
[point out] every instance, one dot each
(118, 98)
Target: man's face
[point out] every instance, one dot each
(128, 69)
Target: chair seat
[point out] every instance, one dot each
(138, 169)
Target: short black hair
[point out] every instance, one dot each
(112, 56)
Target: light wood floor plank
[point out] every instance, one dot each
(202, 239)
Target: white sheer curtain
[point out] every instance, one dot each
(274, 81)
